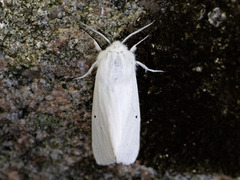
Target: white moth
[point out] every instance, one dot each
(115, 111)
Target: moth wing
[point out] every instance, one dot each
(101, 141)
(130, 141)
(116, 114)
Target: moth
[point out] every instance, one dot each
(115, 111)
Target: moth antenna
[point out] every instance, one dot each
(96, 32)
(135, 45)
(130, 35)
(89, 71)
(146, 68)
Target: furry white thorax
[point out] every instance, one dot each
(116, 46)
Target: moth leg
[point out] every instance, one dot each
(134, 48)
(89, 71)
(97, 46)
(130, 35)
(89, 27)
(146, 68)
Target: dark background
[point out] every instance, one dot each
(191, 117)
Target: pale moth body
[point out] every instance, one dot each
(115, 111)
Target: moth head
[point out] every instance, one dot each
(117, 46)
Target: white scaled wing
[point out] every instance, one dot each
(115, 114)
